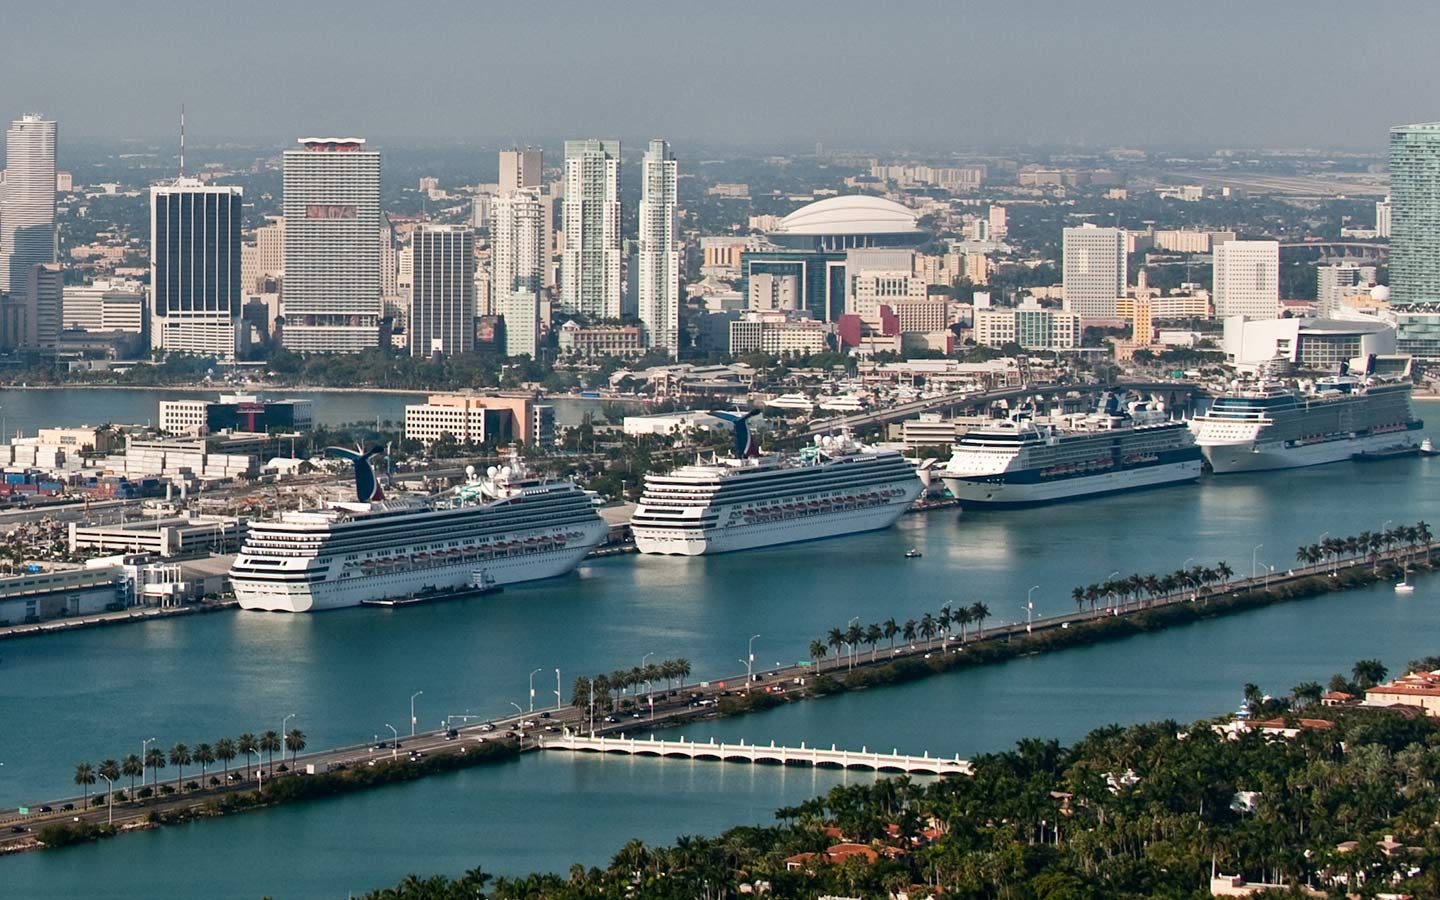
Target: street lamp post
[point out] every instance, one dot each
(1030, 607)
(395, 744)
(144, 746)
(518, 708)
(109, 798)
(1269, 570)
(412, 711)
(1255, 562)
(557, 690)
(1323, 550)
(532, 689)
(1112, 592)
(750, 663)
(851, 647)
(284, 723)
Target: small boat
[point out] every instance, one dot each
(913, 553)
(1405, 587)
(1427, 448)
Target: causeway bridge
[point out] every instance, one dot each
(760, 753)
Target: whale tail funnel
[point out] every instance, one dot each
(746, 444)
(367, 486)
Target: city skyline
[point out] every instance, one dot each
(1265, 88)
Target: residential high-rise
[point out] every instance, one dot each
(590, 266)
(521, 312)
(517, 257)
(1247, 279)
(1415, 213)
(44, 294)
(1094, 270)
(659, 257)
(331, 302)
(442, 303)
(520, 169)
(1382, 218)
(1332, 281)
(195, 289)
(27, 203)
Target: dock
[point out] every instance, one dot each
(759, 753)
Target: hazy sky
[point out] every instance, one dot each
(780, 72)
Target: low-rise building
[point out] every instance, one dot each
(1029, 325)
(480, 418)
(586, 341)
(778, 333)
(1418, 689)
(236, 412)
(167, 537)
(52, 593)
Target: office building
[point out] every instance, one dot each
(442, 302)
(517, 255)
(520, 169)
(779, 334)
(27, 201)
(104, 306)
(590, 265)
(659, 254)
(331, 302)
(1333, 282)
(44, 299)
(1415, 213)
(195, 290)
(478, 419)
(587, 341)
(235, 412)
(999, 222)
(1247, 279)
(1382, 219)
(1028, 325)
(269, 254)
(1094, 270)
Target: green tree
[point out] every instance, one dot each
(294, 742)
(132, 767)
(84, 777)
(225, 752)
(180, 758)
(817, 653)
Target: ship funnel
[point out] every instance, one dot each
(367, 487)
(746, 444)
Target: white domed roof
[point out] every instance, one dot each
(850, 215)
(1380, 292)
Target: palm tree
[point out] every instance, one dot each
(1077, 594)
(1368, 673)
(909, 631)
(180, 758)
(294, 742)
(853, 635)
(817, 653)
(269, 744)
(132, 768)
(248, 746)
(873, 635)
(204, 755)
(1307, 693)
(155, 761)
(891, 630)
(109, 769)
(944, 619)
(1226, 573)
(225, 751)
(836, 639)
(85, 776)
(964, 617)
(980, 612)
(682, 670)
(927, 627)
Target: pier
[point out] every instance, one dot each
(760, 753)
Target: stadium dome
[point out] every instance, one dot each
(847, 222)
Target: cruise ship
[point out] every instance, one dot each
(1270, 425)
(751, 500)
(1023, 461)
(504, 527)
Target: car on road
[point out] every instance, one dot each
(544, 715)
(46, 809)
(18, 829)
(487, 727)
(451, 734)
(69, 807)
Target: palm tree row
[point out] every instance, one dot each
(223, 751)
(1121, 590)
(1367, 544)
(928, 627)
(670, 671)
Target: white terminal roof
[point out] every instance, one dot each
(850, 215)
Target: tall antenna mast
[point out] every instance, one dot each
(182, 140)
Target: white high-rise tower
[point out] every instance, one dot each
(1094, 270)
(659, 259)
(590, 266)
(331, 301)
(1247, 279)
(27, 204)
(520, 168)
(516, 236)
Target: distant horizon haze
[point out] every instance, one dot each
(920, 74)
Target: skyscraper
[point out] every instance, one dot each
(1247, 279)
(1094, 270)
(44, 294)
(590, 266)
(520, 169)
(331, 302)
(195, 288)
(517, 256)
(659, 277)
(27, 204)
(442, 304)
(521, 312)
(1415, 213)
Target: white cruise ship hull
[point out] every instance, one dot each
(972, 492)
(789, 530)
(1253, 456)
(346, 585)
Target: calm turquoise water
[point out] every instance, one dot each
(87, 695)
